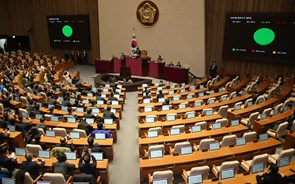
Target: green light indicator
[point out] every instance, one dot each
(67, 30)
(233, 49)
(264, 36)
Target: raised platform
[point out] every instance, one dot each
(137, 82)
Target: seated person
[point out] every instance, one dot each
(160, 95)
(89, 114)
(171, 64)
(273, 177)
(95, 147)
(4, 136)
(100, 129)
(83, 125)
(107, 114)
(63, 167)
(112, 97)
(178, 64)
(63, 143)
(41, 124)
(87, 163)
(160, 59)
(37, 141)
(31, 166)
(7, 161)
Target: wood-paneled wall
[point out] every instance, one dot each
(215, 11)
(18, 16)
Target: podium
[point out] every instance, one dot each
(125, 72)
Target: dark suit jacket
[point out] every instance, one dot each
(109, 115)
(42, 144)
(63, 168)
(268, 178)
(7, 162)
(32, 168)
(84, 178)
(88, 168)
(85, 126)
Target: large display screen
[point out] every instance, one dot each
(69, 31)
(259, 37)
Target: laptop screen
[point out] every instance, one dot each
(90, 94)
(216, 126)
(195, 179)
(263, 137)
(181, 106)
(25, 115)
(100, 102)
(148, 109)
(51, 106)
(190, 115)
(64, 108)
(209, 113)
(43, 154)
(107, 85)
(103, 95)
(182, 90)
(160, 181)
(235, 122)
(75, 135)
(263, 116)
(100, 136)
(11, 128)
(115, 102)
(284, 161)
(57, 89)
(211, 101)
(71, 120)
(152, 134)
(196, 128)
(98, 155)
(146, 101)
(192, 88)
(90, 120)
(220, 89)
(214, 146)
(189, 96)
(38, 116)
(186, 150)
(80, 109)
(275, 112)
(50, 133)
(159, 88)
(237, 107)
(108, 121)
(175, 98)
(95, 111)
(118, 91)
(234, 96)
(54, 118)
(8, 180)
(119, 86)
(256, 168)
(197, 104)
(114, 111)
(172, 87)
(170, 117)
(174, 131)
(20, 151)
(78, 93)
(149, 119)
(171, 92)
(85, 101)
(70, 155)
(165, 108)
(240, 141)
(161, 100)
(249, 104)
(223, 98)
(285, 108)
(60, 98)
(228, 173)
(156, 154)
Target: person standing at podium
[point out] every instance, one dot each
(213, 69)
(137, 53)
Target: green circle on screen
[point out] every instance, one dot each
(264, 36)
(67, 30)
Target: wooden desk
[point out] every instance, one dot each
(177, 163)
(240, 85)
(175, 74)
(17, 138)
(290, 141)
(268, 122)
(107, 143)
(262, 87)
(191, 137)
(220, 83)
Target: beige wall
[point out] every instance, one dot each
(179, 34)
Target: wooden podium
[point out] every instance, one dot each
(125, 72)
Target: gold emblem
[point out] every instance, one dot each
(147, 13)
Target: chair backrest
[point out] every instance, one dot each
(1, 108)
(223, 111)
(55, 178)
(179, 145)
(204, 170)
(208, 83)
(202, 124)
(227, 85)
(205, 110)
(252, 118)
(151, 116)
(41, 131)
(81, 132)
(158, 129)
(43, 95)
(286, 153)
(180, 127)
(250, 136)
(232, 95)
(267, 111)
(57, 151)
(21, 110)
(28, 179)
(279, 107)
(224, 96)
(248, 101)
(238, 104)
(211, 100)
(199, 102)
(190, 114)
(47, 117)
(260, 99)
(287, 102)
(228, 140)
(34, 149)
(230, 165)
(24, 101)
(172, 114)
(154, 148)
(222, 121)
(204, 143)
(281, 130)
(260, 159)
(60, 131)
(293, 126)
(168, 174)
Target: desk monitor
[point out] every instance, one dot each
(223, 98)
(170, 117)
(90, 94)
(190, 115)
(107, 85)
(220, 89)
(201, 86)
(227, 173)
(57, 89)
(90, 120)
(70, 155)
(103, 95)
(20, 152)
(100, 102)
(119, 86)
(275, 112)
(237, 107)
(165, 108)
(149, 119)
(201, 94)
(195, 179)
(209, 113)
(156, 84)
(85, 101)
(115, 102)
(51, 106)
(8, 180)
(95, 111)
(156, 154)
(211, 101)
(64, 108)
(60, 98)
(249, 104)
(71, 119)
(94, 89)
(44, 182)
(148, 109)
(161, 100)
(172, 86)
(186, 150)
(75, 135)
(160, 181)
(108, 121)
(263, 116)
(174, 131)
(25, 115)
(285, 108)
(38, 116)
(182, 90)
(293, 105)
(16, 99)
(234, 96)
(146, 100)
(182, 84)
(216, 126)
(98, 156)
(80, 109)
(235, 122)
(284, 161)
(256, 168)
(43, 154)
(175, 98)
(197, 104)
(196, 128)
(11, 128)
(100, 136)
(114, 111)
(240, 141)
(181, 106)
(54, 118)
(159, 88)
(192, 88)
(73, 100)
(190, 96)
(214, 146)
(152, 134)
(263, 137)
(211, 92)
(50, 133)
(171, 92)
(144, 85)
(78, 93)
(117, 96)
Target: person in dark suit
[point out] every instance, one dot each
(138, 53)
(85, 126)
(7, 161)
(85, 165)
(178, 64)
(32, 167)
(37, 141)
(95, 147)
(213, 69)
(41, 124)
(107, 114)
(4, 136)
(89, 114)
(160, 95)
(63, 167)
(273, 177)
(63, 143)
